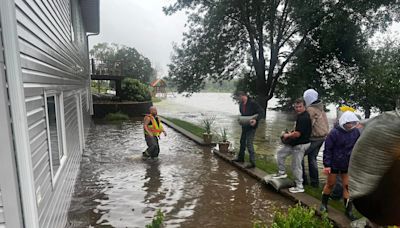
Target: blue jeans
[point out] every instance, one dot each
(312, 153)
(246, 141)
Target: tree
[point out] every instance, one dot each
(326, 62)
(377, 86)
(223, 35)
(126, 60)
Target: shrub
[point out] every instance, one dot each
(116, 116)
(157, 220)
(298, 217)
(207, 124)
(134, 90)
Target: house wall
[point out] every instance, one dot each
(54, 59)
(10, 209)
(2, 220)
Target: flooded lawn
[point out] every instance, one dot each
(117, 188)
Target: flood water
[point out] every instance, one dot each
(117, 188)
(223, 108)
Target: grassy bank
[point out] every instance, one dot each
(192, 128)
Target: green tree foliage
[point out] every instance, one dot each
(228, 37)
(134, 90)
(369, 77)
(326, 62)
(126, 61)
(377, 84)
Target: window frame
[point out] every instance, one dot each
(59, 109)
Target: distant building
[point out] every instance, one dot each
(45, 106)
(159, 86)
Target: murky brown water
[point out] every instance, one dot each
(116, 188)
(221, 106)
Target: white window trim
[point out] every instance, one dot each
(78, 98)
(59, 103)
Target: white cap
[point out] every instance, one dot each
(348, 117)
(310, 96)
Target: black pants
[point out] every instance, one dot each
(246, 141)
(153, 147)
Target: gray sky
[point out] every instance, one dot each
(143, 25)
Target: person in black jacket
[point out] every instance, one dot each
(248, 107)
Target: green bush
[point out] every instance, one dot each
(116, 116)
(298, 217)
(134, 90)
(157, 221)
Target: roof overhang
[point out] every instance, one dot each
(91, 15)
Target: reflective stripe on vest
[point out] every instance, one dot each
(155, 128)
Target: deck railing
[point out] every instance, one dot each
(100, 67)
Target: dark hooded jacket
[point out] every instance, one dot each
(338, 147)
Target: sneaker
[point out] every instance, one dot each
(279, 176)
(296, 189)
(250, 166)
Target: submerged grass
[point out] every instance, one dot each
(117, 116)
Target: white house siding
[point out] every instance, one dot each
(52, 58)
(2, 220)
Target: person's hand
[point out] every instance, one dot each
(286, 136)
(253, 122)
(165, 133)
(327, 170)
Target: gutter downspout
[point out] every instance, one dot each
(18, 113)
(90, 73)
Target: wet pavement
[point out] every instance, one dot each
(117, 188)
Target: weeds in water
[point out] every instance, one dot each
(157, 221)
(117, 116)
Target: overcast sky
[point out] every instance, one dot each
(143, 25)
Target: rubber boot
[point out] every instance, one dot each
(349, 209)
(324, 203)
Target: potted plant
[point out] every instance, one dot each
(207, 124)
(223, 145)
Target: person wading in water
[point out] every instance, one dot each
(152, 130)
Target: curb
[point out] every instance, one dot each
(337, 217)
(334, 215)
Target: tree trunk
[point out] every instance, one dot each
(367, 112)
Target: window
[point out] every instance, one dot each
(55, 134)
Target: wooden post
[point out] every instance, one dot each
(118, 87)
(93, 66)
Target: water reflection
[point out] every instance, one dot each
(117, 188)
